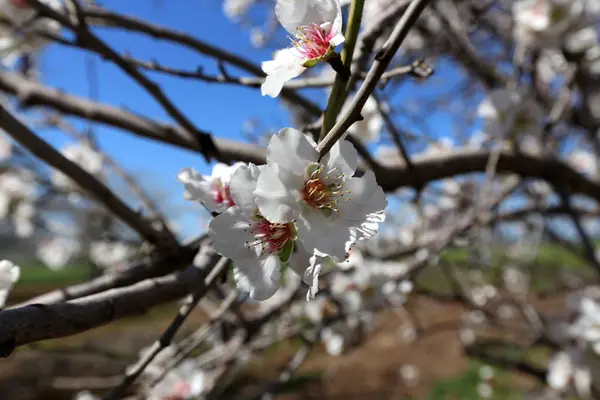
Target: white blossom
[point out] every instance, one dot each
(566, 367)
(185, 381)
(17, 190)
(212, 191)
(316, 26)
(257, 246)
(369, 128)
(110, 254)
(84, 156)
(9, 274)
(234, 9)
(544, 22)
(56, 252)
(23, 34)
(584, 161)
(331, 208)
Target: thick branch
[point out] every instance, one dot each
(27, 324)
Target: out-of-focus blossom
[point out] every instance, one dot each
(84, 156)
(186, 381)
(56, 252)
(9, 274)
(212, 191)
(584, 161)
(234, 9)
(369, 128)
(20, 33)
(17, 190)
(110, 254)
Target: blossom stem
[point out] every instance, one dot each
(338, 91)
(382, 61)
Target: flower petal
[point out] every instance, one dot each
(230, 234)
(277, 194)
(343, 157)
(242, 185)
(286, 65)
(197, 188)
(294, 13)
(292, 150)
(260, 280)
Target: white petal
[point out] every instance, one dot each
(366, 197)
(260, 280)
(277, 194)
(560, 369)
(342, 156)
(286, 65)
(324, 235)
(230, 234)
(198, 188)
(292, 150)
(294, 13)
(311, 277)
(242, 185)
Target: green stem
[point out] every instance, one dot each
(338, 90)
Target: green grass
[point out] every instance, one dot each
(547, 268)
(38, 274)
(464, 387)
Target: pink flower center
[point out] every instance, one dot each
(319, 194)
(20, 3)
(221, 194)
(268, 237)
(312, 41)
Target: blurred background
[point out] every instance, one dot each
(484, 138)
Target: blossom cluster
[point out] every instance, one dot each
(360, 287)
(292, 212)
(21, 32)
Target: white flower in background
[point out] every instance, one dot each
(258, 248)
(212, 191)
(388, 155)
(23, 216)
(567, 367)
(410, 374)
(506, 111)
(85, 157)
(369, 129)
(334, 341)
(186, 381)
(19, 35)
(56, 252)
(258, 38)
(332, 209)
(17, 189)
(9, 274)
(442, 145)
(584, 162)
(85, 395)
(316, 26)
(544, 22)
(234, 9)
(110, 254)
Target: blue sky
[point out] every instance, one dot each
(220, 109)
